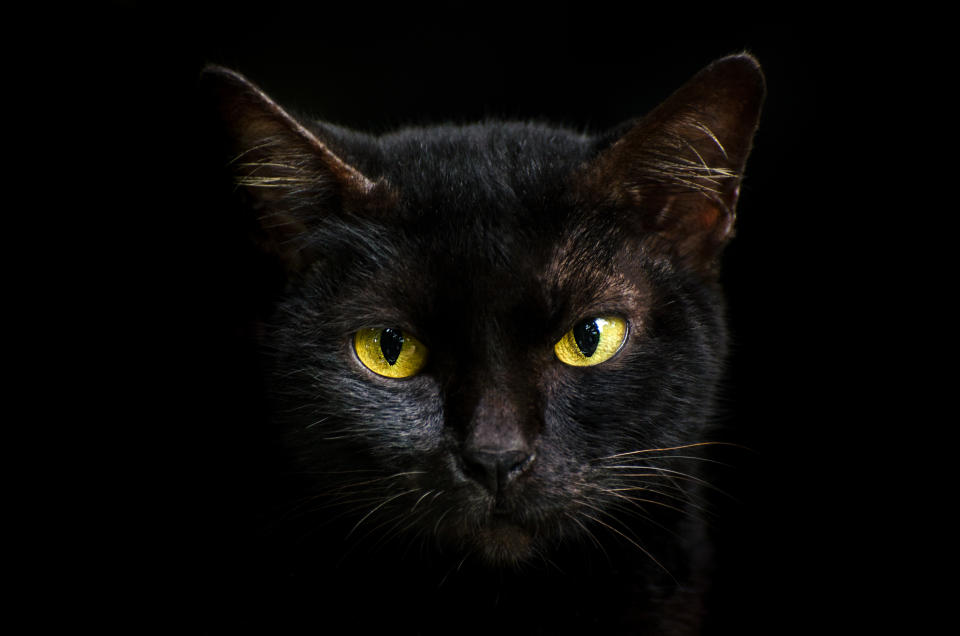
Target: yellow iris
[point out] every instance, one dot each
(390, 352)
(592, 341)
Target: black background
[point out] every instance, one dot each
(791, 549)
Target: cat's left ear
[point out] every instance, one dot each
(678, 170)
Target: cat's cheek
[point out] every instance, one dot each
(405, 415)
(412, 413)
(591, 413)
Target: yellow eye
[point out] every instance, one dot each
(592, 341)
(390, 352)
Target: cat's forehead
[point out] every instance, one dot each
(495, 192)
(503, 141)
(482, 167)
(487, 217)
(452, 270)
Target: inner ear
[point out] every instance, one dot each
(678, 170)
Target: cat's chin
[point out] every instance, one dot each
(503, 544)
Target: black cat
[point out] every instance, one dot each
(491, 357)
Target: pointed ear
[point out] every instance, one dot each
(678, 170)
(290, 176)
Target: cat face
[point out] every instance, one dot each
(497, 338)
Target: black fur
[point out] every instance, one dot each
(489, 242)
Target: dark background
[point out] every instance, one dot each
(791, 541)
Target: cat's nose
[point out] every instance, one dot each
(495, 469)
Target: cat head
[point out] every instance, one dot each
(499, 337)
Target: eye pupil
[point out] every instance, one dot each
(587, 336)
(391, 343)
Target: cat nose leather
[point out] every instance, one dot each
(495, 469)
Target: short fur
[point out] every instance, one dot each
(488, 242)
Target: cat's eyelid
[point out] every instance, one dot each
(566, 325)
(400, 325)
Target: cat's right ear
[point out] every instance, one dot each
(290, 176)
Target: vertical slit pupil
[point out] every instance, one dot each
(587, 336)
(391, 342)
